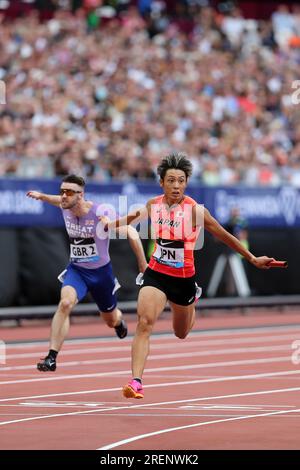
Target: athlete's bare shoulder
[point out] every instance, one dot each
(150, 203)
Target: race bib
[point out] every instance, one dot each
(169, 252)
(83, 250)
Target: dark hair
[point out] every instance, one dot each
(74, 179)
(178, 161)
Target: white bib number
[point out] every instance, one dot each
(82, 252)
(166, 253)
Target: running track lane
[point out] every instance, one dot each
(236, 389)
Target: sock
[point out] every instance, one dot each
(138, 380)
(52, 353)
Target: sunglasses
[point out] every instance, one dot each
(68, 192)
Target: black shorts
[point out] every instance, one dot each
(180, 290)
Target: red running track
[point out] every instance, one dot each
(233, 388)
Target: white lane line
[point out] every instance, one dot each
(68, 342)
(260, 330)
(228, 406)
(206, 365)
(190, 426)
(149, 405)
(188, 343)
(166, 384)
(189, 407)
(154, 357)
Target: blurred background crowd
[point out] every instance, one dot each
(106, 88)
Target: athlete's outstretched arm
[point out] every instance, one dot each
(213, 226)
(136, 245)
(50, 198)
(135, 217)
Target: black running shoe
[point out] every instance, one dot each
(47, 364)
(121, 330)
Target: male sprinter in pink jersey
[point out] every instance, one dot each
(89, 268)
(176, 220)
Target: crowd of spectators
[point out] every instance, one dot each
(106, 93)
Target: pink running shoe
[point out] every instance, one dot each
(133, 390)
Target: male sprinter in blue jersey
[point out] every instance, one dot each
(90, 266)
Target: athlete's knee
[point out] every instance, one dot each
(145, 324)
(181, 334)
(113, 318)
(112, 321)
(66, 305)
